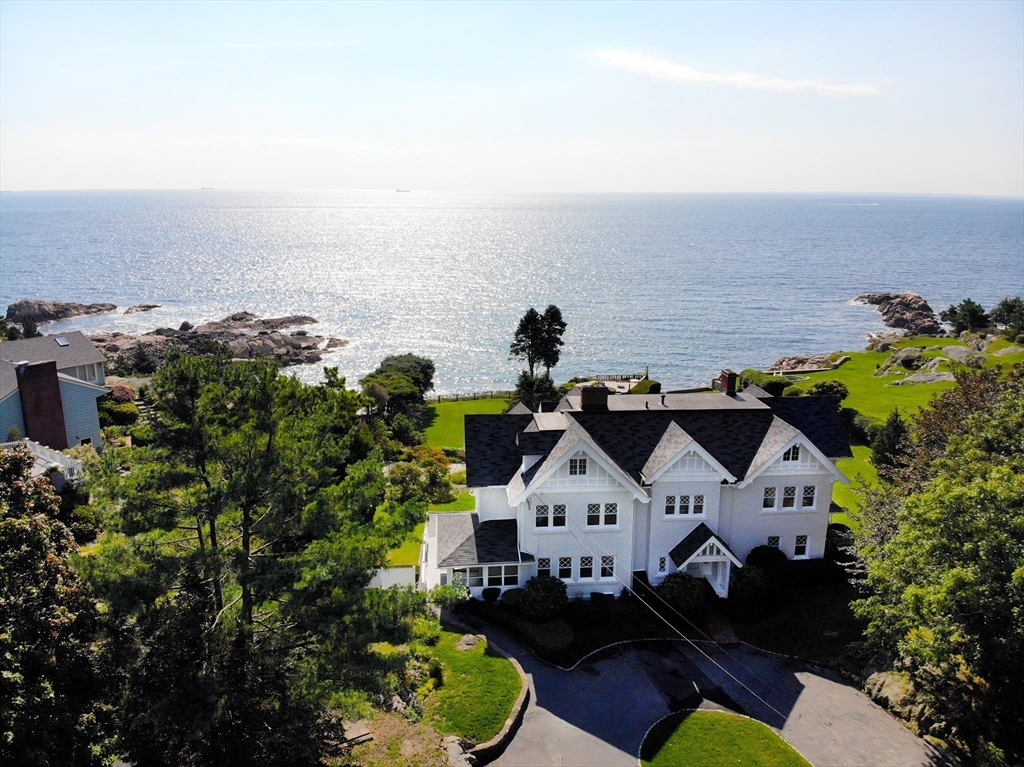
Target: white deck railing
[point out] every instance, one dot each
(71, 468)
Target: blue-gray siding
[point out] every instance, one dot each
(81, 418)
(10, 416)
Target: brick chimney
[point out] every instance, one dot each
(41, 406)
(727, 382)
(593, 398)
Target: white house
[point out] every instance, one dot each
(48, 390)
(607, 488)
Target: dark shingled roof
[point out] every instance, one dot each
(692, 543)
(539, 442)
(492, 455)
(79, 350)
(629, 438)
(818, 418)
(462, 539)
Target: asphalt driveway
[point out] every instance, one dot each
(597, 714)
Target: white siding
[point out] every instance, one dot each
(667, 530)
(81, 419)
(10, 416)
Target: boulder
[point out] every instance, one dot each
(467, 642)
(186, 326)
(141, 308)
(963, 355)
(900, 360)
(334, 343)
(923, 377)
(49, 311)
(799, 362)
(1009, 350)
(907, 311)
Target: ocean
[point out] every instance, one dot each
(681, 284)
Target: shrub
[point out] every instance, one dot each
(835, 390)
(457, 477)
(647, 386)
(838, 544)
(544, 599)
(749, 594)
(684, 594)
(448, 596)
(512, 599)
(550, 639)
(491, 594)
(426, 630)
(861, 429)
(774, 385)
(116, 413)
(771, 560)
(122, 393)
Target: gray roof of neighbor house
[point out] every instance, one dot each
(462, 539)
(8, 379)
(732, 435)
(692, 543)
(78, 351)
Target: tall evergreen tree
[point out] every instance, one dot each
(530, 340)
(891, 447)
(554, 328)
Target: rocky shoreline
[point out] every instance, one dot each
(246, 335)
(906, 311)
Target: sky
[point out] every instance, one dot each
(864, 97)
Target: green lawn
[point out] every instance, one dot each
(444, 420)
(858, 467)
(716, 739)
(409, 552)
(480, 687)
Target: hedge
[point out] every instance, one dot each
(774, 385)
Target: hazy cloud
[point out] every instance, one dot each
(662, 69)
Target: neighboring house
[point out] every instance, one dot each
(608, 488)
(58, 467)
(48, 390)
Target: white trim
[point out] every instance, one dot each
(86, 384)
(592, 452)
(692, 447)
(721, 544)
(802, 441)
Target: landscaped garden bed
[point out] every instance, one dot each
(716, 739)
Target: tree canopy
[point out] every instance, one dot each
(942, 542)
(967, 315)
(1010, 314)
(234, 567)
(538, 339)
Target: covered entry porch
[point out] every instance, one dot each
(702, 554)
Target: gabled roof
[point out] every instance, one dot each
(693, 543)
(520, 409)
(79, 350)
(818, 418)
(462, 539)
(779, 435)
(573, 439)
(492, 455)
(671, 446)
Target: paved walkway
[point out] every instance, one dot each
(598, 714)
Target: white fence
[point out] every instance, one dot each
(386, 577)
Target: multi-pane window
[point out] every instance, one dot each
(541, 516)
(684, 504)
(586, 567)
(788, 497)
(611, 513)
(607, 566)
(662, 564)
(773, 541)
(793, 454)
(473, 576)
(577, 466)
(670, 504)
(698, 504)
(558, 520)
(808, 499)
(769, 498)
(593, 513)
(800, 549)
(502, 575)
(565, 568)
(543, 567)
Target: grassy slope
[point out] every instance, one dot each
(716, 738)
(479, 690)
(445, 420)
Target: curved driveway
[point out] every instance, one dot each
(598, 714)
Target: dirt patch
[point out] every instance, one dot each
(397, 742)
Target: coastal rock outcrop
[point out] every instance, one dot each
(907, 311)
(245, 334)
(141, 308)
(49, 311)
(799, 362)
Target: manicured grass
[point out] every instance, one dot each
(858, 467)
(465, 502)
(872, 395)
(409, 552)
(479, 690)
(444, 419)
(815, 622)
(716, 739)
